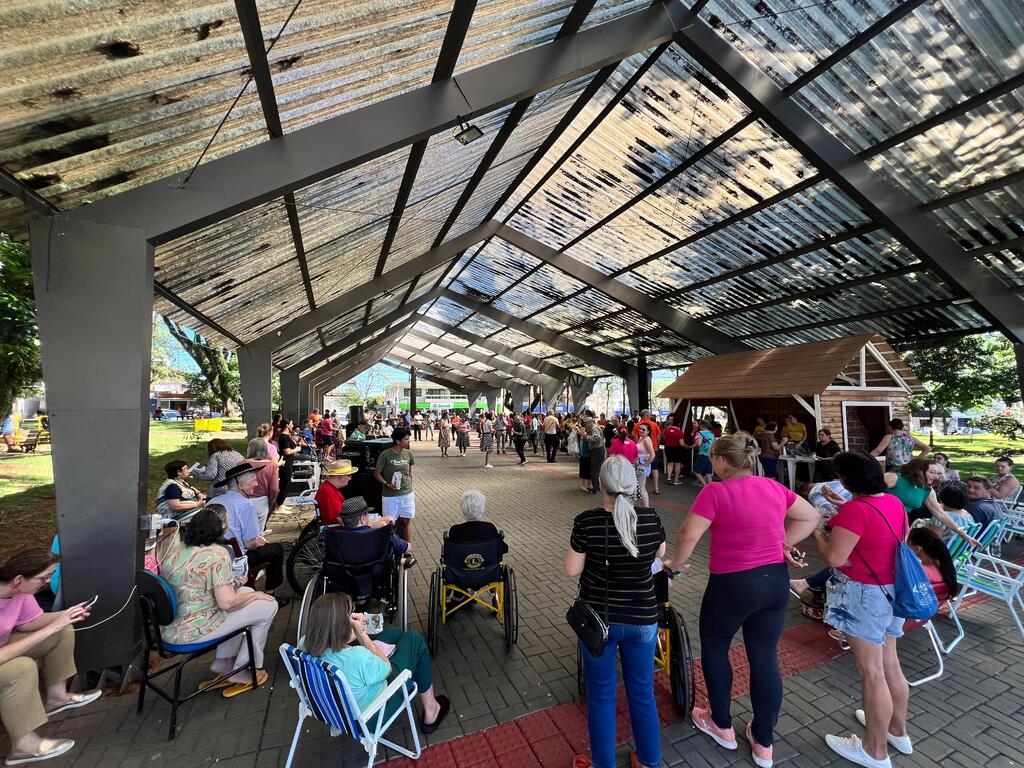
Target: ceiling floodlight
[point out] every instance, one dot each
(466, 134)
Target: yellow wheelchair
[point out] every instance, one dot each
(468, 573)
(673, 653)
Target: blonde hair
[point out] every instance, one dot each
(263, 430)
(739, 450)
(618, 479)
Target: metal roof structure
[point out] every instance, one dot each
(735, 174)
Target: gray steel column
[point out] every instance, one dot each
(94, 301)
(551, 394)
(290, 396)
(305, 396)
(473, 398)
(632, 393)
(580, 394)
(643, 381)
(412, 390)
(1018, 353)
(520, 393)
(255, 370)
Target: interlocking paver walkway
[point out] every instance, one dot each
(973, 716)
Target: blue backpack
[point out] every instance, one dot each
(915, 597)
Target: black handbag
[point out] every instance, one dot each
(590, 628)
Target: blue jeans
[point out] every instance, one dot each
(635, 643)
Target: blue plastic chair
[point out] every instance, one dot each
(159, 606)
(324, 695)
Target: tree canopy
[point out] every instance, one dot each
(20, 364)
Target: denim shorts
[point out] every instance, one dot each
(860, 610)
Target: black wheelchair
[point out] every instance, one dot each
(473, 572)
(673, 653)
(365, 567)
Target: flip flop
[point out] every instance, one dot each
(213, 685)
(445, 707)
(76, 700)
(240, 688)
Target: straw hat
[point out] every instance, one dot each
(340, 467)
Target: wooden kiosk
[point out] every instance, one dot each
(851, 385)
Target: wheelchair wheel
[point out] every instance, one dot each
(434, 611)
(511, 618)
(305, 559)
(681, 678)
(314, 589)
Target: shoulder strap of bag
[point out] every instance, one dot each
(871, 570)
(607, 570)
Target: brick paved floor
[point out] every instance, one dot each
(974, 715)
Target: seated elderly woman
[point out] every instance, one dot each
(475, 528)
(28, 636)
(211, 605)
(176, 497)
(222, 457)
(337, 635)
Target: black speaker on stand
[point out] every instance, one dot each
(355, 415)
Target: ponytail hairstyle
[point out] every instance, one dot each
(936, 549)
(739, 450)
(618, 479)
(622, 434)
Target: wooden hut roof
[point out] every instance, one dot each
(803, 369)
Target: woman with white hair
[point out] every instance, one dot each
(612, 550)
(475, 528)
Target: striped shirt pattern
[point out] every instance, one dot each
(629, 579)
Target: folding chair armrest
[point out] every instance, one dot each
(396, 685)
(997, 563)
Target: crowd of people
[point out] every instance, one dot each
(856, 511)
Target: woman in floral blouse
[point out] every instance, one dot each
(209, 604)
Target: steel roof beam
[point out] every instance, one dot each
(554, 371)
(469, 383)
(512, 369)
(373, 351)
(440, 363)
(356, 297)
(892, 208)
(451, 46)
(686, 326)
(377, 326)
(613, 366)
(242, 180)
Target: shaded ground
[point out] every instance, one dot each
(973, 716)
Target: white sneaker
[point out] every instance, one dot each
(851, 748)
(901, 743)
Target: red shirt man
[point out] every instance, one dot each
(673, 436)
(329, 498)
(655, 429)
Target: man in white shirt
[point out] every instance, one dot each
(551, 437)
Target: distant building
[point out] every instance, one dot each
(170, 396)
(429, 397)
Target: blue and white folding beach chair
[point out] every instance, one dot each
(324, 695)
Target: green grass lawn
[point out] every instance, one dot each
(27, 503)
(975, 454)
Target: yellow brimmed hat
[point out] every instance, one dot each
(340, 467)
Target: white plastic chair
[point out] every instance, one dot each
(324, 695)
(987, 574)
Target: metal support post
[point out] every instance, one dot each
(581, 393)
(520, 394)
(412, 390)
(474, 398)
(551, 394)
(254, 370)
(643, 382)
(290, 396)
(305, 396)
(94, 302)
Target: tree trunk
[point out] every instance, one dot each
(931, 419)
(212, 362)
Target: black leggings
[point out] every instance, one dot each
(755, 600)
(520, 443)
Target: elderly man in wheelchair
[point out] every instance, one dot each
(368, 563)
(472, 571)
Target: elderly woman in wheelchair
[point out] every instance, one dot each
(472, 570)
(338, 635)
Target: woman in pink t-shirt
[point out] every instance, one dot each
(27, 635)
(623, 445)
(754, 522)
(861, 549)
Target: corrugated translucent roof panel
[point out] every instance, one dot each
(342, 326)
(752, 166)
(448, 312)
(540, 119)
(298, 350)
(933, 58)
(446, 167)
(386, 303)
(480, 325)
(675, 109)
(546, 352)
(786, 39)
(496, 268)
(797, 221)
(338, 55)
(242, 272)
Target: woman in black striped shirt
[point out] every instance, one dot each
(612, 549)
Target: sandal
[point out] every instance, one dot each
(47, 748)
(213, 685)
(76, 700)
(239, 688)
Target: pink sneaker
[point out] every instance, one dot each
(762, 755)
(726, 737)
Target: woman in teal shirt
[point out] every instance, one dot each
(372, 663)
(912, 485)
